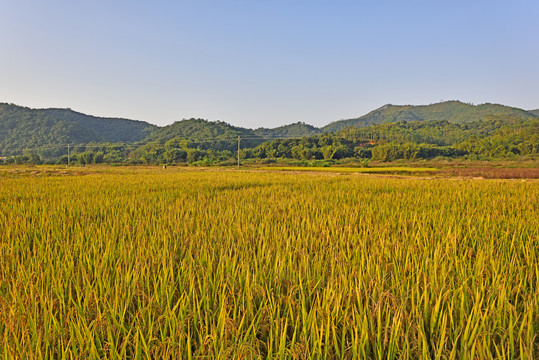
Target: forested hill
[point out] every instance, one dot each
(203, 129)
(206, 134)
(25, 128)
(22, 127)
(298, 129)
(198, 129)
(452, 111)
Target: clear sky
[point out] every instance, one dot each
(265, 63)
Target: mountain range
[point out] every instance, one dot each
(23, 128)
(452, 111)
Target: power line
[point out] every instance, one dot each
(239, 139)
(205, 140)
(49, 147)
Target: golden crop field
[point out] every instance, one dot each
(114, 263)
(364, 170)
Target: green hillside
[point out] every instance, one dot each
(493, 138)
(534, 112)
(501, 130)
(203, 130)
(445, 133)
(452, 111)
(205, 134)
(22, 127)
(298, 129)
(108, 129)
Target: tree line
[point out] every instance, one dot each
(494, 137)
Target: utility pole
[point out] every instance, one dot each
(68, 155)
(239, 151)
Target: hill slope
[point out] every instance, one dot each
(298, 129)
(22, 127)
(221, 135)
(206, 134)
(452, 111)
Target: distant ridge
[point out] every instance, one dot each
(452, 111)
(108, 129)
(204, 130)
(296, 129)
(23, 128)
(198, 129)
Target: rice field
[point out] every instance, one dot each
(141, 263)
(404, 170)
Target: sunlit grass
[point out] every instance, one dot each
(365, 170)
(145, 263)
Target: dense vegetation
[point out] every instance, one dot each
(489, 139)
(205, 134)
(298, 129)
(453, 111)
(137, 263)
(486, 139)
(450, 129)
(24, 128)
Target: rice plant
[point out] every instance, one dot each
(184, 264)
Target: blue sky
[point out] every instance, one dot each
(266, 63)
